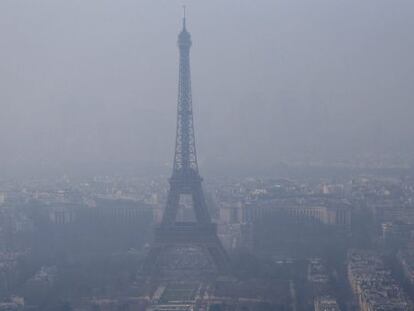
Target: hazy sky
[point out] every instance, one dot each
(93, 83)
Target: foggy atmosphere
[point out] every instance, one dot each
(206, 155)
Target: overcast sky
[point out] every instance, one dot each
(93, 83)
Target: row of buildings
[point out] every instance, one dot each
(373, 284)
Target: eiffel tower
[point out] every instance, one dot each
(185, 180)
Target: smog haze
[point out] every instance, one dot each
(93, 84)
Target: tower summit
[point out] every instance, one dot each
(201, 233)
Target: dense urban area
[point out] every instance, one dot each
(314, 243)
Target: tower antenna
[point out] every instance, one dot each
(184, 15)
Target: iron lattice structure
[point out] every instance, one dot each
(185, 159)
(186, 180)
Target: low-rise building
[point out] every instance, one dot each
(326, 303)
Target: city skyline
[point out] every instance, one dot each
(302, 113)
